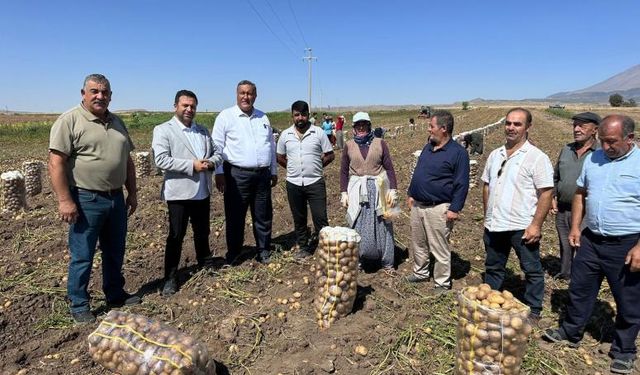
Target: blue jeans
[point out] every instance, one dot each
(100, 217)
(599, 257)
(498, 246)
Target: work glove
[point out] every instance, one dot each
(392, 198)
(344, 199)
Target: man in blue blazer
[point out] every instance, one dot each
(185, 152)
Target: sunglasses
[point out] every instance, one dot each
(501, 167)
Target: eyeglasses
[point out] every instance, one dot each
(514, 123)
(502, 166)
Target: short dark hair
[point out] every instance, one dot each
(300, 106)
(444, 119)
(186, 93)
(628, 125)
(526, 112)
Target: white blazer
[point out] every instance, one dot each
(174, 155)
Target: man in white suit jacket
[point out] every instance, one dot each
(185, 152)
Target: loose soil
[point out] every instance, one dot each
(406, 328)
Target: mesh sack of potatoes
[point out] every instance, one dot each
(13, 191)
(493, 330)
(32, 171)
(143, 164)
(336, 274)
(134, 344)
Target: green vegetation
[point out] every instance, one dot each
(616, 100)
(465, 106)
(560, 112)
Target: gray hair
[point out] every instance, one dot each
(97, 78)
(247, 82)
(444, 119)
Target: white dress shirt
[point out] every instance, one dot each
(197, 142)
(245, 141)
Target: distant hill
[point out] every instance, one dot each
(626, 84)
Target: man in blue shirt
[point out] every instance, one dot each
(608, 197)
(436, 196)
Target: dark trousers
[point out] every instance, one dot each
(316, 196)
(247, 189)
(180, 212)
(599, 257)
(498, 246)
(563, 226)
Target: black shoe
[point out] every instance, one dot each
(207, 263)
(170, 287)
(415, 279)
(621, 366)
(264, 257)
(560, 276)
(557, 335)
(82, 317)
(301, 254)
(128, 300)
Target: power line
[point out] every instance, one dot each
(297, 24)
(281, 23)
(269, 27)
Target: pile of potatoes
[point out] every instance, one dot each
(131, 344)
(493, 330)
(13, 191)
(32, 177)
(142, 161)
(336, 274)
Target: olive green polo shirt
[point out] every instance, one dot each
(97, 150)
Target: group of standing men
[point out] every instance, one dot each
(596, 204)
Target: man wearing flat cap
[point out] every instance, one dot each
(567, 169)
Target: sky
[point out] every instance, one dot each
(372, 52)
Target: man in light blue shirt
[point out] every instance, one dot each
(249, 171)
(608, 196)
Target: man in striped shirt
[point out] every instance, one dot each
(517, 194)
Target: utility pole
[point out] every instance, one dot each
(310, 58)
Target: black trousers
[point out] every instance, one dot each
(247, 189)
(180, 212)
(597, 258)
(315, 195)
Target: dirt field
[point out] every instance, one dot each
(406, 329)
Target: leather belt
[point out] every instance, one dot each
(429, 203)
(108, 193)
(258, 169)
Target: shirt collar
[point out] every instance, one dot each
(93, 118)
(629, 153)
(239, 112)
(526, 146)
(594, 146)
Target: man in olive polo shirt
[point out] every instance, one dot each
(566, 172)
(89, 162)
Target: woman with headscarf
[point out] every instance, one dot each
(368, 189)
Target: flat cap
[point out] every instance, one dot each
(587, 117)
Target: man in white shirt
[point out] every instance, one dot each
(517, 193)
(249, 171)
(304, 151)
(185, 152)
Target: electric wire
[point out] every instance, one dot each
(269, 28)
(281, 24)
(306, 45)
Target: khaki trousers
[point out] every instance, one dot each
(430, 233)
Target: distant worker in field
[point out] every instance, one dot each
(185, 152)
(89, 162)
(566, 172)
(327, 127)
(303, 150)
(249, 171)
(436, 196)
(474, 142)
(368, 185)
(608, 200)
(340, 133)
(313, 118)
(517, 193)
(412, 124)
